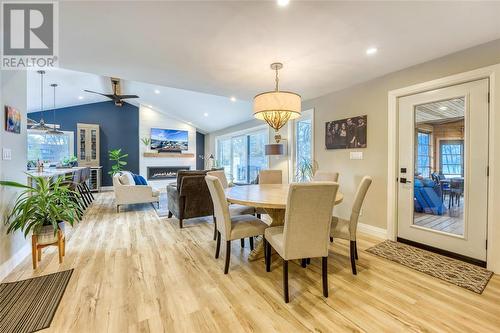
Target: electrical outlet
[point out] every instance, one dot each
(356, 155)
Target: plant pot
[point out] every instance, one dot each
(46, 234)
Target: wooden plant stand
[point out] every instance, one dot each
(36, 248)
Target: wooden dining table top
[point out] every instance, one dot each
(264, 195)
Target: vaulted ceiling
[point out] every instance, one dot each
(224, 48)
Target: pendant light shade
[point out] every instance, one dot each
(41, 125)
(54, 130)
(277, 107)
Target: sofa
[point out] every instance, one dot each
(126, 192)
(428, 197)
(189, 197)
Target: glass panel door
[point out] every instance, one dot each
(439, 178)
(240, 158)
(257, 159)
(82, 137)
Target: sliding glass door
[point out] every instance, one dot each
(242, 155)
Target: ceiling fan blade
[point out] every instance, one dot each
(95, 92)
(127, 96)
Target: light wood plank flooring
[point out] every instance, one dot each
(452, 221)
(135, 272)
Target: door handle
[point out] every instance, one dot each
(404, 181)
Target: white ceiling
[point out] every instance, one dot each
(224, 48)
(184, 105)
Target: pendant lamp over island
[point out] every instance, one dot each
(41, 125)
(276, 108)
(54, 130)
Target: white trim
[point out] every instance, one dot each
(7, 267)
(107, 189)
(372, 230)
(493, 259)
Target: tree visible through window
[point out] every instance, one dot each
(452, 158)
(303, 137)
(424, 154)
(243, 156)
(48, 147)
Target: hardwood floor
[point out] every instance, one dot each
(452, 221)
(135, 272)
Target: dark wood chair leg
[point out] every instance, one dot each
(217, 248)
(169, 214)
(355, 250)
(285, 280)
(251, 243)
(331, 239)
(215, 228)
(308, 261)
(353, 260)
(117, 208)
(228, 256)
(258, 216)
(267, 252)
(303, 263)
(266, 258)
(180, 223)
(242, 241)
(324, 271)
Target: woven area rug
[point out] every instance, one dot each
(459, 273)
(29, 305)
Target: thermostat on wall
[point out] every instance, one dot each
(6, 154)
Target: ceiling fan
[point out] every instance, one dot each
(116, 95)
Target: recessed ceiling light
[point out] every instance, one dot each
(233, 99)
(443, 108)
(80, 97)
(371, 50)
(157, 91)
(283, 3)
(205, 114)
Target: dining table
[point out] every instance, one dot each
(272, 198)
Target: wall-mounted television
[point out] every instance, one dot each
(169, 140)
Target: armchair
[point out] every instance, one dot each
(189, 197)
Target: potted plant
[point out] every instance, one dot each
(43, 208)
(147, 143)
(305, 170)
(70, 162)
(117, 157)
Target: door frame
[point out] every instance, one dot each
(493, 227)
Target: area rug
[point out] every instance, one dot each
(459, 273)
(29, 305)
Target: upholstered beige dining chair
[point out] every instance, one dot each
(270, 177)
(328, 176)
(346, 229)
(230, 227)
(234, 209)
(307, 226)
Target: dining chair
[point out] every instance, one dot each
(325, 176)
(270, 177)
(456, 191)
(234, 209)
(306, 229)
(230, 227)
(346, 229)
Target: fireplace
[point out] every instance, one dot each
(164, 172)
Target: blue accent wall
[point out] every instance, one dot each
(200, 151)
(119, 128)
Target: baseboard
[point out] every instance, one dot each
(372, 230)
(15, 260)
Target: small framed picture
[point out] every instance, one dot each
(12, 120)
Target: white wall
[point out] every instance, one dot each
(150, 118)
(13, 247)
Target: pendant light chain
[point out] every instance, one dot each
(277, 79)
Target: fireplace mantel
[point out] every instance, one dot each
(173, 155)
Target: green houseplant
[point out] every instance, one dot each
(116, 156)
(305, 170)
(45, 204)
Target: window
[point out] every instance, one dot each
(424, 153)
(452, 158)
(48, 147)
(303, 147)
(242, 156)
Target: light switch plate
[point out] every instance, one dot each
(6, 154)
(356, 155)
